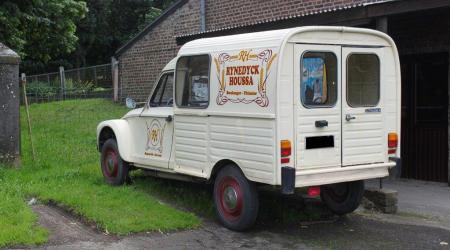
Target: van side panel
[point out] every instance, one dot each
(285, 112)
(191, 144)
(392, 95)
(247, 141)
(200, 142)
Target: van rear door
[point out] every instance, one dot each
(318, 115)
(363, 135)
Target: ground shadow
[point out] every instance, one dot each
(275, 209)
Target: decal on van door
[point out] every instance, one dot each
(243, 76)
(155, 135)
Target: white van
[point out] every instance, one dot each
(315, 107)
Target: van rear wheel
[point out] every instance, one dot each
(342, 198)
(235, 199)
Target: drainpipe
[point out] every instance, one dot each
(202, 16)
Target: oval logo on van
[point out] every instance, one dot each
(243, 76)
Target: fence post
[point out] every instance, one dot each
(115, 78)
(95, 76)
(62, 81)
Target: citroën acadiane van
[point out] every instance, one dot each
(315, 107)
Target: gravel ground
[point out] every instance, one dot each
(355, 231)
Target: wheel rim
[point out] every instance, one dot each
(230, 198)
(111, 163)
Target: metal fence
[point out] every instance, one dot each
(79, 83)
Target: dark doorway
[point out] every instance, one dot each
(424, 143)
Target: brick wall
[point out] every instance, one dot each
(140, 65)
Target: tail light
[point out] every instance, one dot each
(314, 191)
(286, 151)
(392, 143)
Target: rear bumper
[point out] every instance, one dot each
(316, 177)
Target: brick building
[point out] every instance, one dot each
(421, 29)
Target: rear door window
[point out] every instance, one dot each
(363, 80)
(318, 84)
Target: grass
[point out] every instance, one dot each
(67, 173)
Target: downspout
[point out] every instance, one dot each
(202, 16)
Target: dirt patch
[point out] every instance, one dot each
(65, 228)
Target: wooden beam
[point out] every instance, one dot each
(399, 7)
(382, 24)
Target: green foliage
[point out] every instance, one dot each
(67, 172)
(43, 89)
(40, 30)
(72, 33)
(111, 23)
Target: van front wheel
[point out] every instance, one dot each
(342, 198)
(114, 169)
(235, 199)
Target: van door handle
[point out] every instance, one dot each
(349, 117)
(321, 123)
(169, 118)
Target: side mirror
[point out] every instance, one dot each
(130, 103)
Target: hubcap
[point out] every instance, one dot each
(230, 198)
(111, 163)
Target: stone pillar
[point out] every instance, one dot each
(9, 106)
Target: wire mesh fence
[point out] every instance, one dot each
(79, 83)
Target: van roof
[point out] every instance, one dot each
(277, 38)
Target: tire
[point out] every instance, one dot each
(235, 198)
(114, 169)
(342, 198)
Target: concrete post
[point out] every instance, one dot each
(9, 106)
(115, 78)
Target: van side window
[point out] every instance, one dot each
(318, 83)
(163, 94)
(363, 80)
(192, 82)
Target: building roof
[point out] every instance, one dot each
(287, 17)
